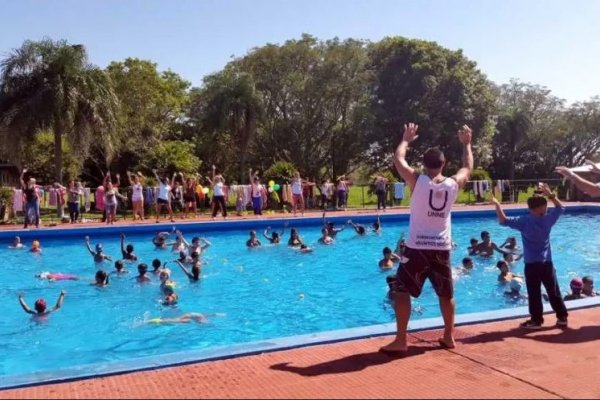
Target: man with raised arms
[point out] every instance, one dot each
(429, 241)
(593, 189)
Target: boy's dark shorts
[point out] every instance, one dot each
(422, 265)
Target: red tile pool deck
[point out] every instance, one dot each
(493, 360)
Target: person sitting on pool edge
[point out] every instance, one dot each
(101, 279)
(486, 248)
(588, 286)
(295, 239)
(127, 252)
(194, 274)
(253, 241)
(98, 255)
(142, 277)
(40, 307)
(325, 238)
(275, 236)
(360, 229)
(389, 259)
(535, 229)
(120, 268)
(576, 285)
(16, 244)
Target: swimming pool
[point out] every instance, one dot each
(259, 294)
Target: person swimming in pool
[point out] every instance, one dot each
(16, 243)
(274, 237)
(142, 270)
(36, 247)
(198, 245)
(253, 241)
(325, 238)
(165, 279)
(101, 279)
(56, 276)
(486, 248)
(183, 319)
(171, 298)
(514, 292)
(98, 255)
(156, 266)
(331, 229)
(472, 249)
(505, 275)
(40, 306)
(193, 274)
(120, 268)
(360, 229)
(160, 239)
(305, 249)
(295, 239)
(179, 244)
(377, 225)
(389, 259)
(127, 252)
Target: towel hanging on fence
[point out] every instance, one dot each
(99, 198)
(18, 200)
(399, 190)
(87, 199)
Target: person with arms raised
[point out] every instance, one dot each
(427, 252)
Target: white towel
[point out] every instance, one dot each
(87, 199)
(18, 200)
(399, 190)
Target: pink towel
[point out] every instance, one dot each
(100, 198)
(18, 200)
(52, 199)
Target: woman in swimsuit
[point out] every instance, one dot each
(57, 276)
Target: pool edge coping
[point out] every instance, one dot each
(221, 353)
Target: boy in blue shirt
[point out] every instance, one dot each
(535, 231)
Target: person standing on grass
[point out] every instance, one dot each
(427, 252)
(257, 192)
(380, 190)
(535, 230)
(593, 189)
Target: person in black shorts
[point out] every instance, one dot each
(426, 254)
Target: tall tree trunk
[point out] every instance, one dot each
(58, 156)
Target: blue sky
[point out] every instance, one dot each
(549, 42)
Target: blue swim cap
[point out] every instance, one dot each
(99, 247)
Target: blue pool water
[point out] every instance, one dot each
(260, 294)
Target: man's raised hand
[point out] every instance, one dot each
(564, 171)
(465, 135)
(410, 132)
(593, 165)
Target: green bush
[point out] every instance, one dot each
(280, 172)
(479, 174)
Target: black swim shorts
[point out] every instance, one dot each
(422, 265)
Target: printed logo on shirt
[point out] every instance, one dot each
(436, 210)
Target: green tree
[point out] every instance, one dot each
(439, 89)
(172, 156)
(513, 128)
(38, 157)
(50, 85)
(153, 105)
(233, 105)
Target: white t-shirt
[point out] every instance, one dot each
(218, 189)
(430, 207)
(297, 187)
(137, 194)
(163, 191)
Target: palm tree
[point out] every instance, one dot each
(234, 104)
(50, 85)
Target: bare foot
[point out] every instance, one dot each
(396, 347)
(447, 343)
